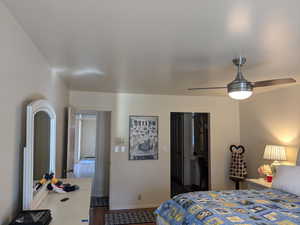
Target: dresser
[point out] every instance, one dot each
(258, 184)
(74, 211)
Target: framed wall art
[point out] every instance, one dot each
(143, 137)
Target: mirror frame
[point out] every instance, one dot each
(32, 109)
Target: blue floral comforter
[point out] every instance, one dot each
(259, 207)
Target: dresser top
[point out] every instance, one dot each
(73, 211)
(261, 182)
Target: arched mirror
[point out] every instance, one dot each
(39, 153)
(41, 145)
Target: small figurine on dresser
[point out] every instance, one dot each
(42, 181)
(59, 187)
(238, 168)
(55, 184)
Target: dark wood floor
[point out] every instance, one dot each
(97, 215)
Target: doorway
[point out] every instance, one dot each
(88, 154)
(85, 144)
(190, 135)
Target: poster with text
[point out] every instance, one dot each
(143, 137)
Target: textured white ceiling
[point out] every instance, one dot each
(162, 46)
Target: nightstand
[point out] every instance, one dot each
(258, 184)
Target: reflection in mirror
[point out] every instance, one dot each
(41, 153)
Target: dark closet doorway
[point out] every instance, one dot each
(189, 152)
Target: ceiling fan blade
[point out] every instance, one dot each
(208, 88)
(266, 83)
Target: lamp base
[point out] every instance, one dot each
(274, 167)
(275, 163)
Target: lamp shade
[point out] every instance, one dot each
(274, 152)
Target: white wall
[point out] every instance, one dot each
(151, 178)
(24, 76)
(270, 118)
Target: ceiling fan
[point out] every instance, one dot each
(240, 88)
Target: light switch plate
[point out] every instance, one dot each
(123, 148)
(117, 148)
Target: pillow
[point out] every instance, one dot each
(287, 179)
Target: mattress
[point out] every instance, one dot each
(257, 207)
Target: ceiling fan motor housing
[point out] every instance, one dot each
(239, 84)
(239, 61)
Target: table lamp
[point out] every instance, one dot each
(275, 153)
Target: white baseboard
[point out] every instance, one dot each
(136, 206)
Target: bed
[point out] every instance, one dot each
(259, 207)
(279, 205)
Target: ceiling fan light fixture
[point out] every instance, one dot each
(240, 95)
(240, 88)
